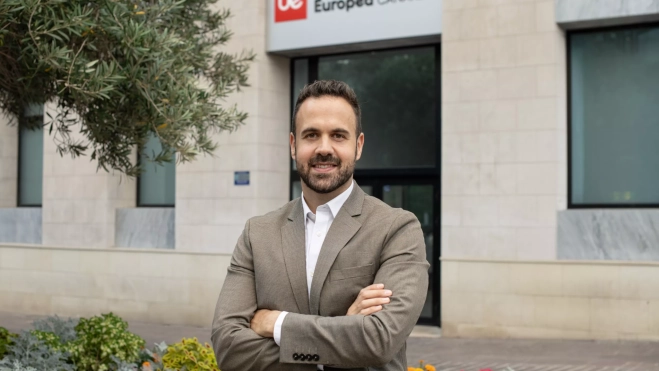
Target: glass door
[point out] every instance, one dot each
(419, 198)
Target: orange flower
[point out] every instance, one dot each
(410, 368)
(430, 368)
(146, 364)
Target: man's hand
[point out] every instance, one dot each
(263, 322)
(370, 300)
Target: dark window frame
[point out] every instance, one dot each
(568, 44)
(19, 172)
(398, 176)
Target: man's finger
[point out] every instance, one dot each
(370, 294)
(375, 286)
(374, 302)
(371, 310)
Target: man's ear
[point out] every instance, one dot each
(292, 144)
(360, 146)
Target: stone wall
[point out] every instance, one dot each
(147, 285)
(558, 300)
(504, 123)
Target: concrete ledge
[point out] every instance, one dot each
(554, 262)
(21, 225)
(608, 234)
(151, 227)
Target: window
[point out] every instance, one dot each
(30, 159)
(156, 186)
(397, 95)
(614, 117)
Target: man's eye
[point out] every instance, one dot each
(339, 136)
(312, 135)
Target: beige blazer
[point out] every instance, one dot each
(368, 242)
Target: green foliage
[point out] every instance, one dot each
(17, 366)
(100, 338)
(63, 329)
(149, 360)
(5, 340)
(33, 352)
(119, 70)
(50, 339)
(189, 353)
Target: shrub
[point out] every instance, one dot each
(101, 337)
(50, 339)
(30, 351)
(155, 357)
(64, 329)
(189, 353)
(149, 360)
(17, 366)
(5, 340)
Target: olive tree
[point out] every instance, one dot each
(120, 71)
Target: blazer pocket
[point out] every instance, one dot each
(352, 272)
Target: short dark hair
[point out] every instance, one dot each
(331, 88)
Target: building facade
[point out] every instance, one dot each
(520, 132)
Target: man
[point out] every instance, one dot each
(300, 292)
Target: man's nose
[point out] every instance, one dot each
(325, 146)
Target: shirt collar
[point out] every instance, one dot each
(334, 204)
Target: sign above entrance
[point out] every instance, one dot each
(296, 25)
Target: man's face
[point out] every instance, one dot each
(325, 147)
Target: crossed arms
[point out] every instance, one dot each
(346, 341)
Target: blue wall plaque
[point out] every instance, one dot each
(241, 178)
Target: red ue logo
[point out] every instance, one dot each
(290, 10)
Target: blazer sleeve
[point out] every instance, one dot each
(363, 341)
(236, 345)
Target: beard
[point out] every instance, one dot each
(325, 183)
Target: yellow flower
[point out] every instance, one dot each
(139, 13)
(430, 368)
(410, 368)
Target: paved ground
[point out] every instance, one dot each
(459, 354)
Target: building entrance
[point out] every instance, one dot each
(399, 93)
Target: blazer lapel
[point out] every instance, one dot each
(340, 233)
(293, 245)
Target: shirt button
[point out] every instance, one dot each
(318, 234)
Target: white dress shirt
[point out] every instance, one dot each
(315, 227)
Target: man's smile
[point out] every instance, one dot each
(323, 167)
